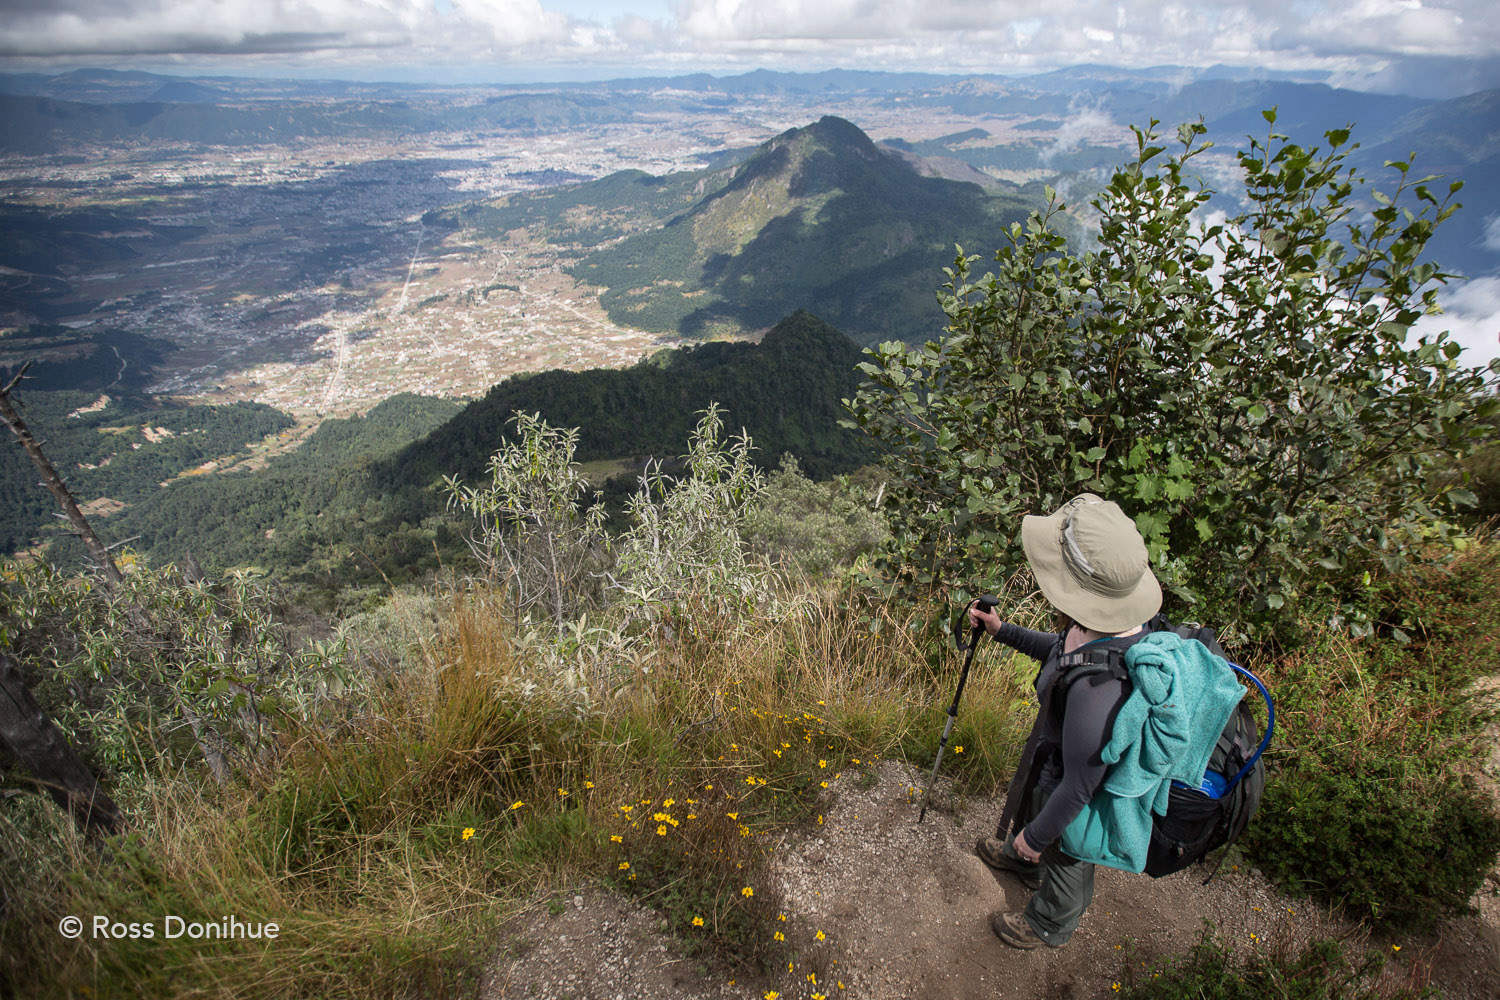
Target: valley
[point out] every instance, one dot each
(317, 251)
(303, 275)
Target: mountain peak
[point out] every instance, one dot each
(830, 134)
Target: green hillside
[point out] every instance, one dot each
(818, 218)
(785, 391)
(120, 453)
(302, 511)
(360, 498)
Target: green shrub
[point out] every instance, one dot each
(1399, 850)
(816, 527)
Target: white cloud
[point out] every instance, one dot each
(1492, 233)
(1343, 36)
(1471, 317)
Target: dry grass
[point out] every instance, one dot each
(486, 768)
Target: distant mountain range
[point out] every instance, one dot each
(1055, 118)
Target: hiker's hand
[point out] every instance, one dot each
(1024, 849)
(988, 620)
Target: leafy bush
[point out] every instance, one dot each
(1367, 806)
(1399, 850)
(1243, 388)
(814, 527)
(164, 671)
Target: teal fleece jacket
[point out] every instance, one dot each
(1181, 698)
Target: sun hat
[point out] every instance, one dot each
(1091, 563)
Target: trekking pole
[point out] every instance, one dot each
(986, 603)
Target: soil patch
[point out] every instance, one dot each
(905, 911)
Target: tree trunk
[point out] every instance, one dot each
(54, 482)
(41, 747)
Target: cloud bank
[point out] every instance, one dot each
(1358, 41)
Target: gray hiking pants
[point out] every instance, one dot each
(1067, 887)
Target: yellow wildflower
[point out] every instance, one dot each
(562, 792)
(661, 831)
(747, 892)
(957, 749)
(624, 865)
(517, 804)
(468, 832)
(822, 763)
(617, 839)
(820, 935)
(697, 921)
(778, 936)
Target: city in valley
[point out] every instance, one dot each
(303, 275)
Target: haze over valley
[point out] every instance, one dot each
(316, 248)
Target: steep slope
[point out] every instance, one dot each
(818, 218)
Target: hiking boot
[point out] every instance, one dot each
(992, 852)
(1012, 928)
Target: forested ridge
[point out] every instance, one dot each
(785, 392)
(360, 497)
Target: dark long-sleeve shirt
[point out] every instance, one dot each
(1069, 746)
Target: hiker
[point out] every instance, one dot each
(1091, 564)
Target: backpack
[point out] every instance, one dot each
(1202, 819)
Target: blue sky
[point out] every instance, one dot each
(1451, 46)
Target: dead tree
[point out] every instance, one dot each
(25, 729)
(54, 482)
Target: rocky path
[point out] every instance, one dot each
(904, 909)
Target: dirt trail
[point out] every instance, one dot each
(905, 911)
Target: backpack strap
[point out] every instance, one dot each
(1096, 664)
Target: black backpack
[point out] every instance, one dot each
(1198, 820)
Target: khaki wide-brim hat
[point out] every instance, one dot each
(1091, 563)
